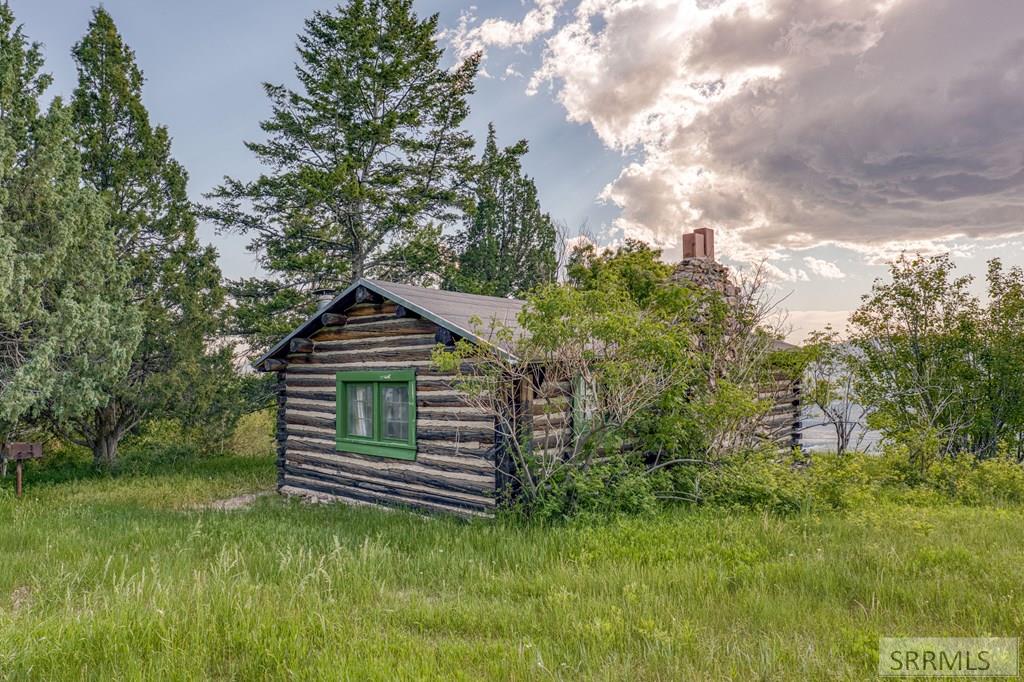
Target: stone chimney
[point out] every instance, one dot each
(699, 266)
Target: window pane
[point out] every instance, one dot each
(360, 410)
(396, 411)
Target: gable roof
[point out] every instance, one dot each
(449, 309)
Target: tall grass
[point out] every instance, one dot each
(131, 577)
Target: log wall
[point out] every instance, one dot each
(782, 425)
(454, 470)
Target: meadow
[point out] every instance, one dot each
(135, 577)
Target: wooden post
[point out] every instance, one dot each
(17, 470)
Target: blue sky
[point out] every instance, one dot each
(822, 135)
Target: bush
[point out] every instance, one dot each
(840, 481)
(999, 480)
(752, 481)
(254, 435)
(618, 485)
(965, 479)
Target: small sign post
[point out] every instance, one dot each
(19, 453)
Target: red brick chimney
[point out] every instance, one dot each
(709, 241)
(699, 244)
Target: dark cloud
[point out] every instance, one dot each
(792, 123)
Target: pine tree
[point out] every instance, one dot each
(65, 332)
(367, 158)
(509, 243)
(173, 281)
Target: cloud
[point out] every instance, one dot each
(788, 124)
(777, 274)
(470, 37)
(823, 268)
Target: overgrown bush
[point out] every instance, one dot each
(748, 481)
(967, 480)
(618, 485)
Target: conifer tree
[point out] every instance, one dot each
(366, 161)
(65, 333)
(509, 243)
(173, 281)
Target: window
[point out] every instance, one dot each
(377, 413)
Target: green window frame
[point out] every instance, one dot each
(372, 438)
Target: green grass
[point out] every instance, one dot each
(125, 578)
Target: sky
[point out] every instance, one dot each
(819, 137)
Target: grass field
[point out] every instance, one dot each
(131, 578)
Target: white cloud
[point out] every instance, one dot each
(823, 268)
(777, 274)
(470, 36)
(789, 124)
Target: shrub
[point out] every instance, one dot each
(752, 481)
(617, 485)
(254, 435)
(839, 482)
(999, 480)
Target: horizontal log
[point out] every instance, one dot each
(333, 320)
(478, 486)
(377, 341)
(442, 454)
(551, 439)
(302, 414)
(300, 346)
(422, 367)
(404, 492)
(440, 398)
(354, 495)
(445, 464)
(365, 309)
(274, 365)
(554, 390)
(784, 408)
(388, 327)
(433, 382)
(393, 354)
(473, 437)
(357, 321)
(454, 413)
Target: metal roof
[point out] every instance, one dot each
(452, 310)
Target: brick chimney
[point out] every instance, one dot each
(699, 244)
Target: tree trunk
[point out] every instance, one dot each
(104, 450)
(107, 435)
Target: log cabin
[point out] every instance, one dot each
(365, 418)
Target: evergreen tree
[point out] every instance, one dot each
(173, 281)
(509, 243)
(367, 158)
(65, 333)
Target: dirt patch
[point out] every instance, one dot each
(237, 502)
(21, 598)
